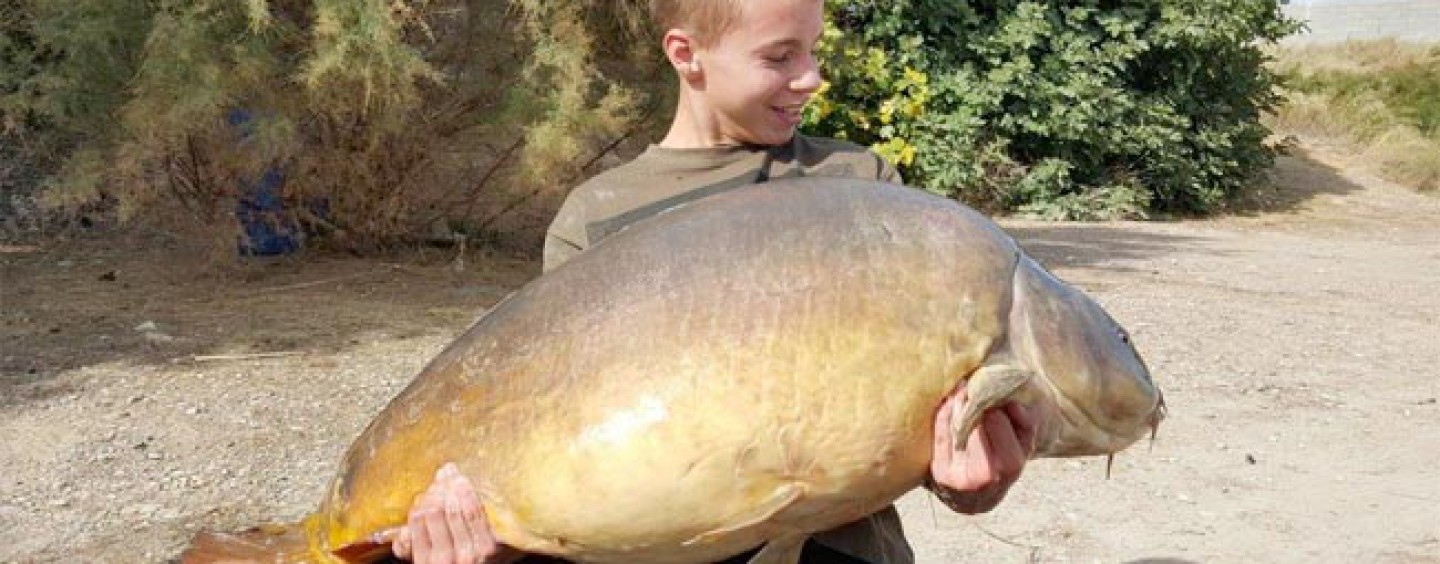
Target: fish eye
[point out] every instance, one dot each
(1124, 337)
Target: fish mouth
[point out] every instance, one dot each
(1083, 433)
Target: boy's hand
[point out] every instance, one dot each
(447, 525)
(976, 479)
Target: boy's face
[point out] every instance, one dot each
(759, 74)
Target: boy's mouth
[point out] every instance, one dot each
(790, 114)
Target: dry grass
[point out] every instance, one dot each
(1380, 99)
(1356, 56)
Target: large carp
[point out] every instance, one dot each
(745, 369)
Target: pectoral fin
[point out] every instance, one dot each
(784, 496)
(988, 387)
(266, 543)
(784, 550)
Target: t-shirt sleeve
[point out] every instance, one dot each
(888, 172)
(558, 251)
(566, 237)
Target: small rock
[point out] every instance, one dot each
(108, 276)
(147, 326)
(1250, 459)
(158, 337)
(11, 513)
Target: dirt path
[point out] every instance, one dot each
(1297, 348)
(1298, 353)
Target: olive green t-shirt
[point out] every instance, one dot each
(661, 178)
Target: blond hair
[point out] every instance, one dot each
(706, 20)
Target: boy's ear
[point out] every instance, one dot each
(681, 50)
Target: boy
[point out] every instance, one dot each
(746, 68)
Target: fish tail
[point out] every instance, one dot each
(278, 544)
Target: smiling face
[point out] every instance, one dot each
(752, 81)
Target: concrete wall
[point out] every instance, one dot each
(1338, 20)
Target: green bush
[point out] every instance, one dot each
(401, 114)
(1061, 109)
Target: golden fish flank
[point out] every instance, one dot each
(747, 369)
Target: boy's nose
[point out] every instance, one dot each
(809, 80)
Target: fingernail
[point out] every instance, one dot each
(391, 535)
(447, 470)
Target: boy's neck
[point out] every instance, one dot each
(696, 128)
(689, 130)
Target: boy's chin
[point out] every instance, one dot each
(768, 138)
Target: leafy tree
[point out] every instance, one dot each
(1063, 109)
(389, 117)
(386, 117)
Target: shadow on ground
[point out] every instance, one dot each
(1297, 178)
(1079, 245)
(67, 304)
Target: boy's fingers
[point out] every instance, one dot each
(1005, 451)
(942, 451)
(419, 537)
(439, 545)
(980, 453)
(401, 544)
(481, 536)
(432, 498)
(480, 540)
(462, 537)
(414, 540)
(460, 487)
(1026, 425)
